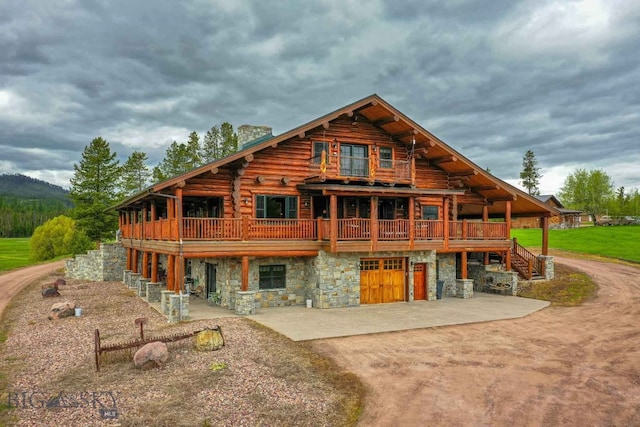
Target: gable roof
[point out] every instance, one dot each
(403, 130)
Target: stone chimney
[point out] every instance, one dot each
(248, 133)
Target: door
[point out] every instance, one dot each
(420, 281)
(382, 280)
(211, 279)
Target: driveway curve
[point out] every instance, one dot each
(557, 366)
(12, 282)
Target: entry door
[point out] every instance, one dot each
(420, 281)
(382, 280)
(211, 279)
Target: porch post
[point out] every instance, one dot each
(244, 286)
(134, 266)
(463, 265)
(445, 221)
(485, 219)
(154, 267)
(143, 231)
(507, 218)
(545, 235)
(333, 222)
(145, 263)
(412, 220)
(129, 258)
(171, 260)
(154, 217)
(375, 226)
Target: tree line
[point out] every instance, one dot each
(591, 191)
(19, 217)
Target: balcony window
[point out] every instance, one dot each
(268, 206)
(354, 160)
(386, 157)
(272, 277)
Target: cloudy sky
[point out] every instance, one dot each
(492, 79)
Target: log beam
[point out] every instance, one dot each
(386, 120)
(442, 159)
(401, 135)
(464, 173)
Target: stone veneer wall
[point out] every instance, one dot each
(549, 266)
(492, 273)
(447, 271)
(102, 265)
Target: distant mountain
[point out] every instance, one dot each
(24, 187)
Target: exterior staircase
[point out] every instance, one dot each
(528, 266)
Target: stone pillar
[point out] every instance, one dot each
(126, 277)
(133, 283)
(464, 288)
(164, 301)
(549, 266)
(245, 303)
(153, 291)
(142, 287)
(178, 307)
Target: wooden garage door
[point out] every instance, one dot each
(382, 280)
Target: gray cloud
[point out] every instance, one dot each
(492, 79)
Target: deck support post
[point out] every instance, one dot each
(545, 235)
(134, 262)
(244, 285)
(171, 261)
(445, 221)
(375, 225)
(333, 215)
(145, 265)
(154, 267)
(464, 270)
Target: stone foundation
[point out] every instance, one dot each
(153, 292)
(245, 303)
(549, 266)
(464, 288)
(485, 276)
(141, 287)
(164, 301)
(102, 265)
(178, 307)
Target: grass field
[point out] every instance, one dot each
(621, 242)
(14, 253)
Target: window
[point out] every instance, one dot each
(354, 160)
(276, 206)
(386, 157)
(429, 212)
(318, 146)
(272, 277)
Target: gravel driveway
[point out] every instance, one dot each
(558, 366)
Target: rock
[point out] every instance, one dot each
(50, 293)
(59, 282)
(60, 310)
(209, 340)
(152, 355)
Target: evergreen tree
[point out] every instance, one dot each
(193, 150)
(135, 174)
(229, 140)
(177, 160)
(530, 174)
(211, 145)
(94, 188)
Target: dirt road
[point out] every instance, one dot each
(13, 281)
(558, 366)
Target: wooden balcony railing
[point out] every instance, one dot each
(230, 229)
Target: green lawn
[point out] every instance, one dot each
(622, 242)
(14, 253)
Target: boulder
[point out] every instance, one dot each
(152, 355)
(62, 309)
(50, 293)
(209, 340)
(60, 282)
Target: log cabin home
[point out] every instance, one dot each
(359, 206)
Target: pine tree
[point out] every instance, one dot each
(530, 174)
(177, 160)
(94, 188)
(211, 145)
(135, 174)
(229, 139)
(193, 150)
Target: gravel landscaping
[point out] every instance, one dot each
(258, 378)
